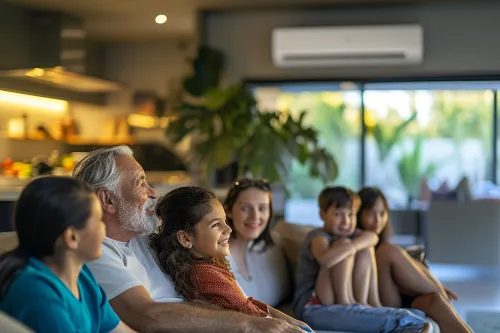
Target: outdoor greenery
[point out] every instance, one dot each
(335, 122)
(453, 115)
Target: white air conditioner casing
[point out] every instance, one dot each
(348, 46)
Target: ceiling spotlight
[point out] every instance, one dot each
(160, 19)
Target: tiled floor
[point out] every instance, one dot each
(479, 291)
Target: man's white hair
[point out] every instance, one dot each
(99, 170)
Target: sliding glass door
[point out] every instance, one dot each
(426, 137)
(419, 139)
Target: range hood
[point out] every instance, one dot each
(58, 55)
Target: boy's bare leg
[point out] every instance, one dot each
(373, 293)
(341, 277)
(361, 276)
(324, 287)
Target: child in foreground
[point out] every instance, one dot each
(337, 272)
(192, 246)
(341, 280)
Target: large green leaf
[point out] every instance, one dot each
(274, 145)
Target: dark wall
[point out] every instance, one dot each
(15, 51)
(459, 38)
(14, 31)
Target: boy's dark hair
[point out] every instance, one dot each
(338, 197)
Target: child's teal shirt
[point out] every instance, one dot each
(40, 300)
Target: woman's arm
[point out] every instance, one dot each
(328, 256)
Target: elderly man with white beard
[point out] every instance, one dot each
(140, 293)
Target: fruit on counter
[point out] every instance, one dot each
(25, 170)
(19, 169)
(7, 163)
(68, 163)
(16, 169)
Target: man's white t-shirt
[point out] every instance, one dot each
(124, 265)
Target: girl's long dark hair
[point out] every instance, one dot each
(368, 197)
(181, 209)
(234, 192)
(45, 209)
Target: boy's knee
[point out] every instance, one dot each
(364, 255)
(343, 240)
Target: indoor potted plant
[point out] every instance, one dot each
(226, 127)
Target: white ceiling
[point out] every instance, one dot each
(134, 19)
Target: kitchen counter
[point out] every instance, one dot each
(11, 187)
(10, 193)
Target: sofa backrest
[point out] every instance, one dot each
(287, 235)
(290, 237)
(464, 232)
(8, 241)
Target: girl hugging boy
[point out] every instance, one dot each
(347, 273)
(337, 274)
(192, 246)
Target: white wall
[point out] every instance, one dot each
(144, 66)
(459, 38)
(154, 67)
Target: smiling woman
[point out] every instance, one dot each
(259, 267)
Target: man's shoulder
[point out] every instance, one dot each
(112, 249)
(140, 243)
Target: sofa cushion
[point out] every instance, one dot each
(8, 241)
(290, 237)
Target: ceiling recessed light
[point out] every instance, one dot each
(160, 19)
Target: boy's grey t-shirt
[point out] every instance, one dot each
(307, 273)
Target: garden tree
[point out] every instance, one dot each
(411, 170)
(389, 132)
(328, 115)
(462, 115)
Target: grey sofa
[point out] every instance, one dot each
(464, 232)
(289, 236)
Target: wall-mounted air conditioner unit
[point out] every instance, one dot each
(348, 46)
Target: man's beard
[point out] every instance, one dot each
(135, 220)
